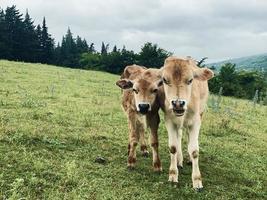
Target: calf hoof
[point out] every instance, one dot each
(174, 184)
(189, 162)
(100, 160)
(157, 166)
(130, 167)
(173, 176)
(180, 167)
(145, 154)
(157, 169)
(197, 184)
(199, 189)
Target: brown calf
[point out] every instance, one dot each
(140, 92)
(184, 99)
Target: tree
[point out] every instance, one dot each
(128, 58)
(152, 56)
(69, 51)
(47, 44)
(57, 55)
(201, 63)
(30, 44)
(115, 49)
(228, 79)
(91, 61)
(4, 48)
(39, 49)
(82, 46)
(249, 82)
(14, 28)
(92, 48)
(104, 48)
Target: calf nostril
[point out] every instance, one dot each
(181, 103)
(173, 103)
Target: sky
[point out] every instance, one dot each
(218, 29)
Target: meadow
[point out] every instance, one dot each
(55, 122)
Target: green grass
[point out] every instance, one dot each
(54, 122)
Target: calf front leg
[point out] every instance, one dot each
(173, 147)
(143, 144)
(133, 141)
(193, 150)
(179, 149)
(153, 122)
(155, 149)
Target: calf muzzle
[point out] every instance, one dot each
(143, 108)
(178, 107)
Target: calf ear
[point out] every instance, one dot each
(124, 84)
(203, 74)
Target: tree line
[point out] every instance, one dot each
(21, 40)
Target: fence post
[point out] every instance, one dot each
(256, 97)
(219, 99)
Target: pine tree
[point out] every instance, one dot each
(30, 44)
(82, 45)
(57, 54)
(115, 49)
(4, 50)
(14, 27)
(85, 46)
(38, 53)
(69, 51)
(104, 49)
(47, 44)
(92, 48)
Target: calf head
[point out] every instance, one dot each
(178, 76)
(144, 86)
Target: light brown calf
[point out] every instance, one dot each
(186, 93)
(140, 92)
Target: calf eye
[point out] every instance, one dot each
(165, 81)
(154, 90)
(189, 81)
(136, 92)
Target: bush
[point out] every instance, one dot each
(242, 84)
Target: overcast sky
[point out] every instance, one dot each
(219, 29)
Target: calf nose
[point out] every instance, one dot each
(143, 107)
(178, 103)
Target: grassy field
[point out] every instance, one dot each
(54, 123)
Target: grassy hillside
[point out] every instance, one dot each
(54, 122)
(257, 62)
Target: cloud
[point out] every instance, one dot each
(217, 29)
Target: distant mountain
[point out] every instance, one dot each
(257, 62)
